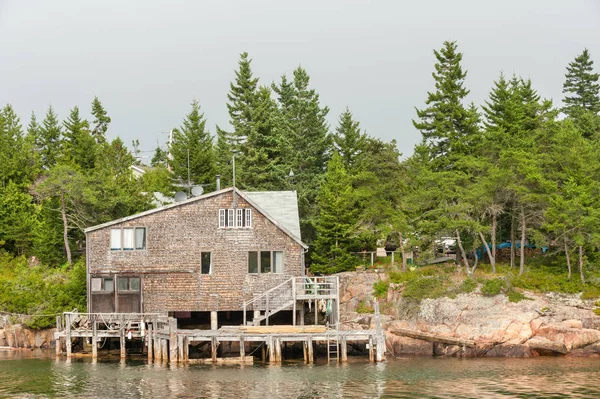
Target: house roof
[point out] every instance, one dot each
(276, 206)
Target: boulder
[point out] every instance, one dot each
(545, 347)
(509, 350)
(572, 338)
(404, 346)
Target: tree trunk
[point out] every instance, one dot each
(402, 249)
(462, 251)
(494, 227)
(581, 264)
(475, 263)
(523, 230)
(567, 256)
(487, 249)
(65, 227)
(512, 240)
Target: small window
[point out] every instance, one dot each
(109, 285)
(248, 217)
(222, 218)
(230, 218)
(140, 238)
(265, 261)
(128, 239)
(277, 261)
(252, 262)
(206, 265)
(239, 219)
(123, 284)
(134, 284)
(115, 239)
(96, 284)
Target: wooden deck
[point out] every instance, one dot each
(166, 343)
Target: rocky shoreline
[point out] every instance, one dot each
(15, 336)
(544, 325)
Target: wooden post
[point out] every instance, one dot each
(277, 348)
(149, 342)
(244, 323)
(309, 344)
(301, 314)
(271, 350)
(163, 349)
(122, 341)
(242, 349)
(172, 340)
(180, 348)
(305, 351)
(316, 311)
(186, 349)
(214, 320)
(371, 353)
(392, 259)
(57, 342)
(213, 350)
(263, 351)
(294, 299)
(68, 334)
(267, 311)
(94, 338)
(344, 350)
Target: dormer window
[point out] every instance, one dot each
(235, 218)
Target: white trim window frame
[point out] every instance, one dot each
(248, 218)
(222, 218)
(239, 217)
(128, 242)
(230, 218)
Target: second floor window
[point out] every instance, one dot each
(128, 239)
(235, 218)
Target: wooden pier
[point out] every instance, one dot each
(164, 342)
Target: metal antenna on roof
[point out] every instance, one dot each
(233, 168)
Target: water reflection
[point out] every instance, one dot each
(36, 374)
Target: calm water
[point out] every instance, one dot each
(35, 375)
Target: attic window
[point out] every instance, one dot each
(128, 239)
(235, 218)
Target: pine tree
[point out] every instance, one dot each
(79, 146)
(448, 126)
(159, 158)
(193, 137)
(241, 99)
(348, 140)
(262, 166)
(50, 135)
(32, 148)
(581, 87)
(336, 220)
(101, 121)
(12, 159)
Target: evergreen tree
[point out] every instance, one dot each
(17, 219)
(50, 135)
(32, 148)
(447, 126)
(241, 101)
(159, 158)
(262, 167)
(79, 146)
(101, 121)
(581, 87)
(193, 139)
(336, 220)
(308, 142)
(348, 140)
(11, 145)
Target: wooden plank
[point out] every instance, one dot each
(283, 329)
(213, 349)
(432, 337)
(224, 360)
(344, 350)
(94, 338)
(150, 342)
(173, 340)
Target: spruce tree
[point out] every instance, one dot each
(100, 122)
(79, 146)
(159, 158)
(336, 220)
(12, 158)
(241, 99)
(50, 135)
(348, 140)
(581, 86)
(192, 136)
(447, 126)
(262, 165)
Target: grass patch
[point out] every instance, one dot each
(516, 296)
(468, 285)
(381, 288)
(493, 287)
(364, 307)
(591, 292)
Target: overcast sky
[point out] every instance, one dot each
(148, 60)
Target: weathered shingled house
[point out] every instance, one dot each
(205, 254)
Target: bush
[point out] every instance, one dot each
(364, 307)
(493, 287)
(468, 286)
(515, 296)
(426, 287)
(381, 288)
(590, 292)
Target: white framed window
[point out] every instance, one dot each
(230, 218)
(277, 262)
(239, 217)
(205, 263)
(248, 217)
(265, 262)
(222, 223)
(128, 239)
(115, 239)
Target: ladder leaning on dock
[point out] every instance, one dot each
(333, 349)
